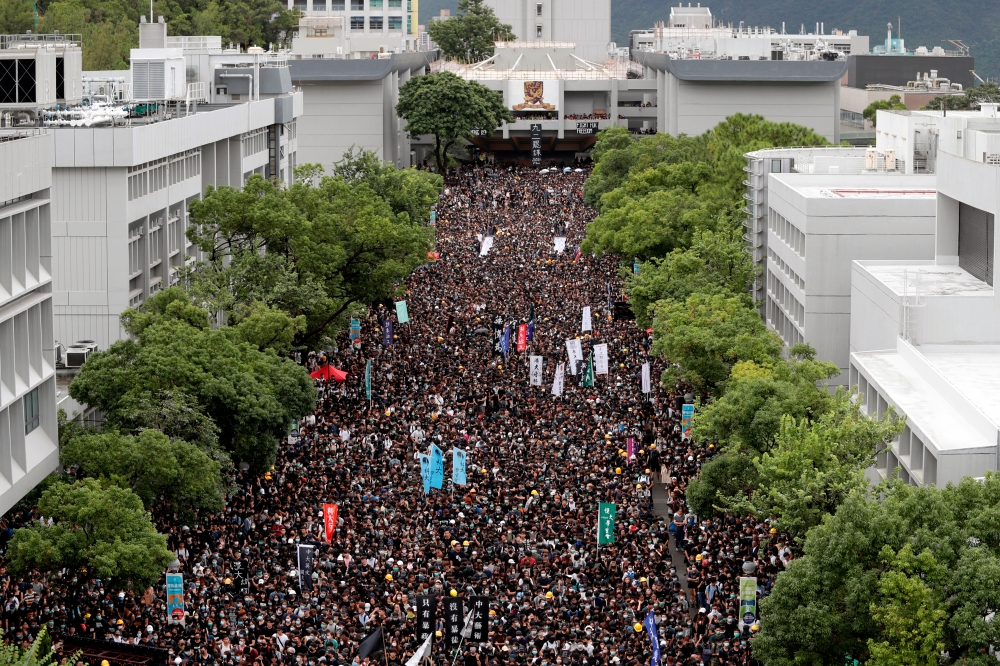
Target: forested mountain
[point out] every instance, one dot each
(927, 23)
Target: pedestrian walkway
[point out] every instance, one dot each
(661, 507)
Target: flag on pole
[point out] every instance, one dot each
(368, 379)
(557, 383)
(402, 316)
(536, 370)
(330, 520)
(505, 341)
(372, 644)
(458, 466)
(606, 523)
(425, 472)
(587, 326)
(576, 257)
(522, 337)
(480, 619)
(654, 639)
(645, 377)
(588, 376)
(467, 629)
(497, 335)
(601, 359)
(355, 332)
(386, 332)
(630, 450)
(687, 419)
(423, 652)
(531, 324)
(574, 349)
(305, 561)
(426, 616)
(437, 467)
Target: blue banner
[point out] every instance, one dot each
(505, 341)
(425, 472)
(437, 467)
(458, 467)
(650, 624)
(387, 332)
(175, 598)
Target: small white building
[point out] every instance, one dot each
(365, 26)
(29, 436)
(925, 335)
(917, 137)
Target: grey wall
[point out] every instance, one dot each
(339, 114)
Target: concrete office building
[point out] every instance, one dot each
(917, 137)
(819, 224)
(353, 103)
(29, 437)
(364, 27)
(586, 23)
(925, 336)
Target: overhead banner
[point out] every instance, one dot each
(480, 619)
(557, 383)
(355, 332)
(606, 523)
(458, 466)
(175, 598)
(425, 471)
(586, 326)
(601, 359)
(645, 377)
(687, 417)
(330, 520)
(453, 618)
(536, 144)
(426, 616)
(536, 370)
(305, 562)
(437, 467)
(560, 244)
(402, 315)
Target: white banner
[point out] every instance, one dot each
(557, 383)
(587, 326)
(484, 249)
(574, 348)
(601, 359)
(536, 370)
(560, 243)
(645, 377)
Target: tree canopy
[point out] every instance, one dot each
(468, 36)
(96, 524)
(449, 107)
(894, 103)
(252, 395)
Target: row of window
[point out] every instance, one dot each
(782, 325)
(375, 22)
(255, 142)
(787, 232)
(356, 5)
(153, 176)
(783, 296)
(786, 269)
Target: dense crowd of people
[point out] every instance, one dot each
(522, 531)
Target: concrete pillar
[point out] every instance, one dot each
(671, 108)
(661, 102)
(613, 111)
(836, 121)
(562, 109)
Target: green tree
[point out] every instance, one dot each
(252, 395)
(40, 652)
(16, 16)
(469, 36)
(727, 474)
(410, 191)
(97, 525)
(66, 16)
(153, 466)
(748, 415)
(814, 465)
(708, 334)
(449, 107)
(106, 45)
(970, 101)
(716, 263)
(894, 103)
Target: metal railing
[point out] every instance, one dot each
(29, 40)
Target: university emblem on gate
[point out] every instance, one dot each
(534, 93)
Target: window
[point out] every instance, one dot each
(975, 242)
(538, 32)
(31, 417)
(409, 5)
(374, 4)
(538, 9)
(357, 5)
(395, 22)
(375, 23)
(357, 23)
(409, 24)
(60, 79)
(319, 5)
(300, 5)
(395, 4)
(337, 5)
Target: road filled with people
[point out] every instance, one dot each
(542, 458)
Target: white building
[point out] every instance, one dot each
(587, 23)
(366, 26)
(917, 137)
(925, 336)
(28, 433)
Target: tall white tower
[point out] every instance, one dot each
(586, 22)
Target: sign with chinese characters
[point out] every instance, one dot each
(426, 616)
(606, 523)
(536, 144)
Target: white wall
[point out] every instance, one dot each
(338, 115)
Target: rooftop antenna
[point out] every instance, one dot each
(150, 11)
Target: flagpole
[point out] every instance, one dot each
(385, 657)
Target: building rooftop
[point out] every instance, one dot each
(926, 279)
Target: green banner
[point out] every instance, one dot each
(588, 376)
(748, 600)
(368, 379)
(402, 316)
(606, 523)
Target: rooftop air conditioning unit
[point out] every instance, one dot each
(76, 356)
(87, 344)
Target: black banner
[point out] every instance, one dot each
(496, 339)
(426, 617)
(453, 621)
(241, 577)
(536, 144)
(480, 619)
(586, 127)
(305, 567)
(623, 311)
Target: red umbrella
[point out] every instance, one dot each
(327, 372)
